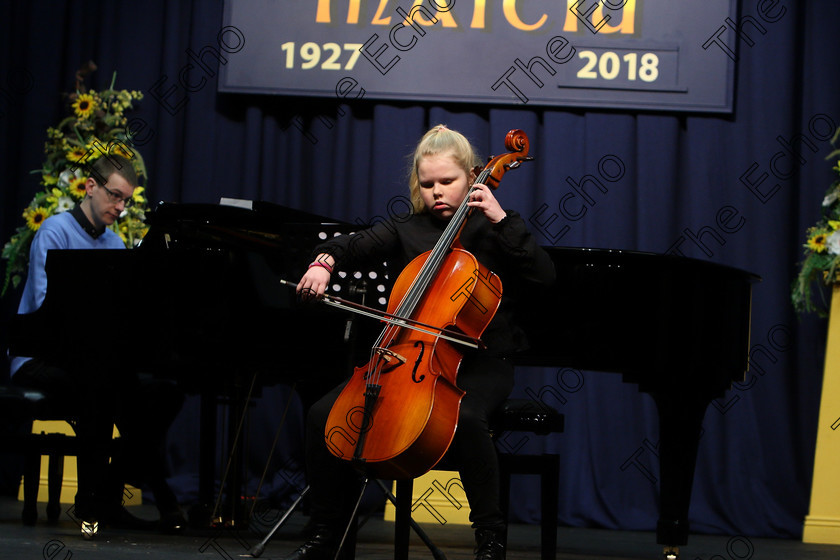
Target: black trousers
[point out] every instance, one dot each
(487, 381)
(142, 408)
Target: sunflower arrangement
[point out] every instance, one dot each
(94, 128)
(822, 247)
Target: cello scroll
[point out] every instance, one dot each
(516, 141)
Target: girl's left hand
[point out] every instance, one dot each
(483, 199)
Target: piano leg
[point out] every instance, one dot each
(237, 409)
(201, 514)
(680, 420)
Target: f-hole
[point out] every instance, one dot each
(417, 362)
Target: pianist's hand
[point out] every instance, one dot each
(314, 283)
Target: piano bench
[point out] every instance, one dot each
(19, 408)
(527, 415)
(515, 415)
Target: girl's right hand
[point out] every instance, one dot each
(314, 282)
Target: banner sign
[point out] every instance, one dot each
(636, 54)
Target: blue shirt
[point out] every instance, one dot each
(61, 231)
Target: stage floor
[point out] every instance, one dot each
(61, 541)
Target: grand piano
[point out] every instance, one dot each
(678, 328)
(200, 302)
(207, 276)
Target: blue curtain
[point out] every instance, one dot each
(683, 176)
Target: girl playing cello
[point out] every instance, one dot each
(441, 176)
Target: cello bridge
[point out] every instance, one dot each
(389, 355)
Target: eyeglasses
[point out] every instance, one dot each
(115, 197)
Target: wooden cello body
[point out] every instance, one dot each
(397, 415)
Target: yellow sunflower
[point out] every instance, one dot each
(35, 217)
(84, 105)
(77, 153)
(121, 150)
(817, 242)
(77, 187)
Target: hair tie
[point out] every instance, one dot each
(321, 264)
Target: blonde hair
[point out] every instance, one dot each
(440, 140)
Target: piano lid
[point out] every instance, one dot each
(264, 227)
(261, 215)
(660, 320)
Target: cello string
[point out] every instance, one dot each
(418, 287)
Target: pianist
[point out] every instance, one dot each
(100, 393)
(441, 176)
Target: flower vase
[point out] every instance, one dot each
(822, 524)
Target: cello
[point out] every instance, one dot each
(397, 415)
